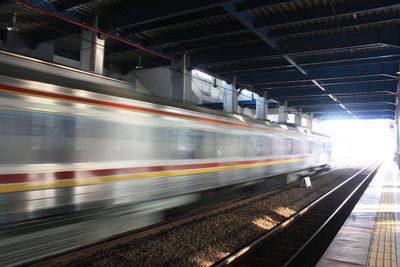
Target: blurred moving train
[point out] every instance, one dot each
(66, 149)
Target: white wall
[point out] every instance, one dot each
(156, 81)
(203, 86)
(66, 62)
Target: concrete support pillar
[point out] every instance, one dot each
(92, 51)
(282, 113)
(397, 127)
(297, 117)
(309, 121)
(3, 37)
(231, 98)
(262, 107)
(181, 80)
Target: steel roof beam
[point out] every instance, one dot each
(312, 67)
(385, 69)
(181, 37)
(335, 42)
(354, 109)
(214, 44)
(308, 91)
(74, 5)
(341, 95)
(52, 36)
(349, 104)
(247, 20)
(272, 21)
(7, 3)
(63, 32)
(351, 100)
(349, 92)
(354, 10)
(354, 85)
(168, 22)
(329, 117)
(366, 78)
(350, 61)
(258, 51)
(350, 97)
(347, 25)
(356, 112)
(360, 116)
(324, 56)
(47, 5)
(337, 89)
(226, 31)
(157, 10)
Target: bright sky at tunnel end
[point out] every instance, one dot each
(361, 139)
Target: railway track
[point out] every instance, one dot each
(302, 239)
(125, 240)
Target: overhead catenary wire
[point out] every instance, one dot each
(112, 36)
(329, 93)
(123, 40)
(80, 38)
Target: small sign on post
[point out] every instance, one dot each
(306, 182)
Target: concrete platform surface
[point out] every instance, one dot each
(370, 236)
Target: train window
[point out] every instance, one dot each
(267, 145)
(318, 147)
(289, 145)
(296, 146)
(259, 145)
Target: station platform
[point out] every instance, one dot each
(370, 236)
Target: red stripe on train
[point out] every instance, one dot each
(65, 175)
(111, 104)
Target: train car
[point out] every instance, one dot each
(65, 149)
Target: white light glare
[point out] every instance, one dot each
(317, 84)
(239, 117)
(333, 97)
(352, 138)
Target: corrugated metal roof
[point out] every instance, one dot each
(310, 31)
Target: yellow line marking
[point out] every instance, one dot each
(107, 179)
(382, 250)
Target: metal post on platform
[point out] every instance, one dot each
(92, 50)
(397, 121)
(283, 113)
(231, 98)
(261, 107)
(309, 121)
(181, 80)
(298, 117)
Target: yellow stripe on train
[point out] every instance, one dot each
(108, 179)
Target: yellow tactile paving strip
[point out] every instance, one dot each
(382, 251)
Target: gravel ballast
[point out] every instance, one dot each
(205, 241)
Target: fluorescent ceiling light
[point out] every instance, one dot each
(319, 85)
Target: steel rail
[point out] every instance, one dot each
(238, 254)
(69, 255)
(330, 218)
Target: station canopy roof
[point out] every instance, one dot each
(334, 58)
